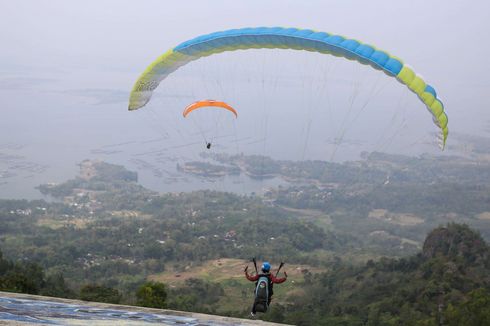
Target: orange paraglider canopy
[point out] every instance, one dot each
(208, 103)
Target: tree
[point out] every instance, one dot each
(23, 278)
(99, 293)
(474, 311)
(55, 286)
(152, 295)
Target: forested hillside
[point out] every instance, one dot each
(356, 248)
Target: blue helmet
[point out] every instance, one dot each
(266, 267)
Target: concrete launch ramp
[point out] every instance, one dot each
(24, 309)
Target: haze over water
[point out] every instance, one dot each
(67, 69)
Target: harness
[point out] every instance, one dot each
(263, 292)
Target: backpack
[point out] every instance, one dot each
(262, 289)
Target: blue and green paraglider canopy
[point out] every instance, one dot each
(293, 39)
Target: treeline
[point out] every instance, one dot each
(29, 277)
(172, 229)
(448, 283)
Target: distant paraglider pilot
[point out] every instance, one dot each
(208, 104)
(264, 283)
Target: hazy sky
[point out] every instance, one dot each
(67, 67)
(444, 40)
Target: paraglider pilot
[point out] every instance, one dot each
(264, 285)
(208, 145)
